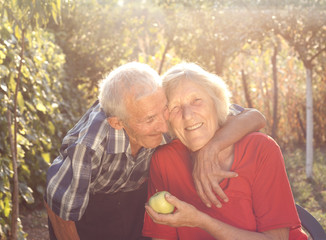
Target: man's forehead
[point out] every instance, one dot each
(147, 106)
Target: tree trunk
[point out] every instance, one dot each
(245, 88)
(301, 126)
(15, 206)
(13, 146)
(275, 97)
(167, 47)
(310, 126)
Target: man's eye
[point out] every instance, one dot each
(150, 120)
(197, 100)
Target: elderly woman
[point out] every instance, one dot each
(260, 206)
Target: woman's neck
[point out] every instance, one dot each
(225, 157)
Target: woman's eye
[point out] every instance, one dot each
(175, 109)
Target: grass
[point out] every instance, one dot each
(309, 193)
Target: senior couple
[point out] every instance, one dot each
(226, 182)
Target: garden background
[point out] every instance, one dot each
(53, 53)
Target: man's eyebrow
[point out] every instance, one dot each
(146, 118)
(150, 116)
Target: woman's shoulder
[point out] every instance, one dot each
(258, 141)
(175, 150)
(258, 138)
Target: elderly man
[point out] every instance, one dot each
(96, 187)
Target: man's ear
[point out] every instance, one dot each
(115, 123)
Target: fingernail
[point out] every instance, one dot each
(218, 205)
(208, 205)
(226, 200)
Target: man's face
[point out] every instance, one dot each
(147, 120)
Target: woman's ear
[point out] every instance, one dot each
(115, 123)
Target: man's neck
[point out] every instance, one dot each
(134, 149)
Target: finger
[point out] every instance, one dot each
(173, 200)
(179, 204)
(216, 188)
(211, 196)
(157, 217)
(228, 174)
(219, 191)
(202, 195)
(150, 211)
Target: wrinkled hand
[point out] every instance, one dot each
(185, 214)
(207, 174)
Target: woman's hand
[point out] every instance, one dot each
(184, 215)
(187, 215)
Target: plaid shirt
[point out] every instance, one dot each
(95, 158)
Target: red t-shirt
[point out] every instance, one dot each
(260, 198)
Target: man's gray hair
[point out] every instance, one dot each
(135, 79)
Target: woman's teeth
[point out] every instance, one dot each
(198, 125)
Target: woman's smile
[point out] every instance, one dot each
(194, 127)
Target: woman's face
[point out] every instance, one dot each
(193, 116)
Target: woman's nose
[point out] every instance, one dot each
(187, 112)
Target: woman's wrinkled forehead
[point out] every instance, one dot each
(171, 85)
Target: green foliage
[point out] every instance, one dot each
(213, 37)
(70, 45)
(304, 30)
(24, 13)
(95, 42)
(38, 102)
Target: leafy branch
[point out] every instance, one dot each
(13, 147)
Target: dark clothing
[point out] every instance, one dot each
(51, 231)
(116, 216)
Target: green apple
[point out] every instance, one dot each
(159, 203)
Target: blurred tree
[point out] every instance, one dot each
(96, 37)
(305, 30)
(19, 31)
(214, 37)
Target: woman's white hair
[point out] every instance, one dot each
(137, 79)
(211, 83)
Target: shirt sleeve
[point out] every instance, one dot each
(68, 182)
(235, 109)
(273, 202)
